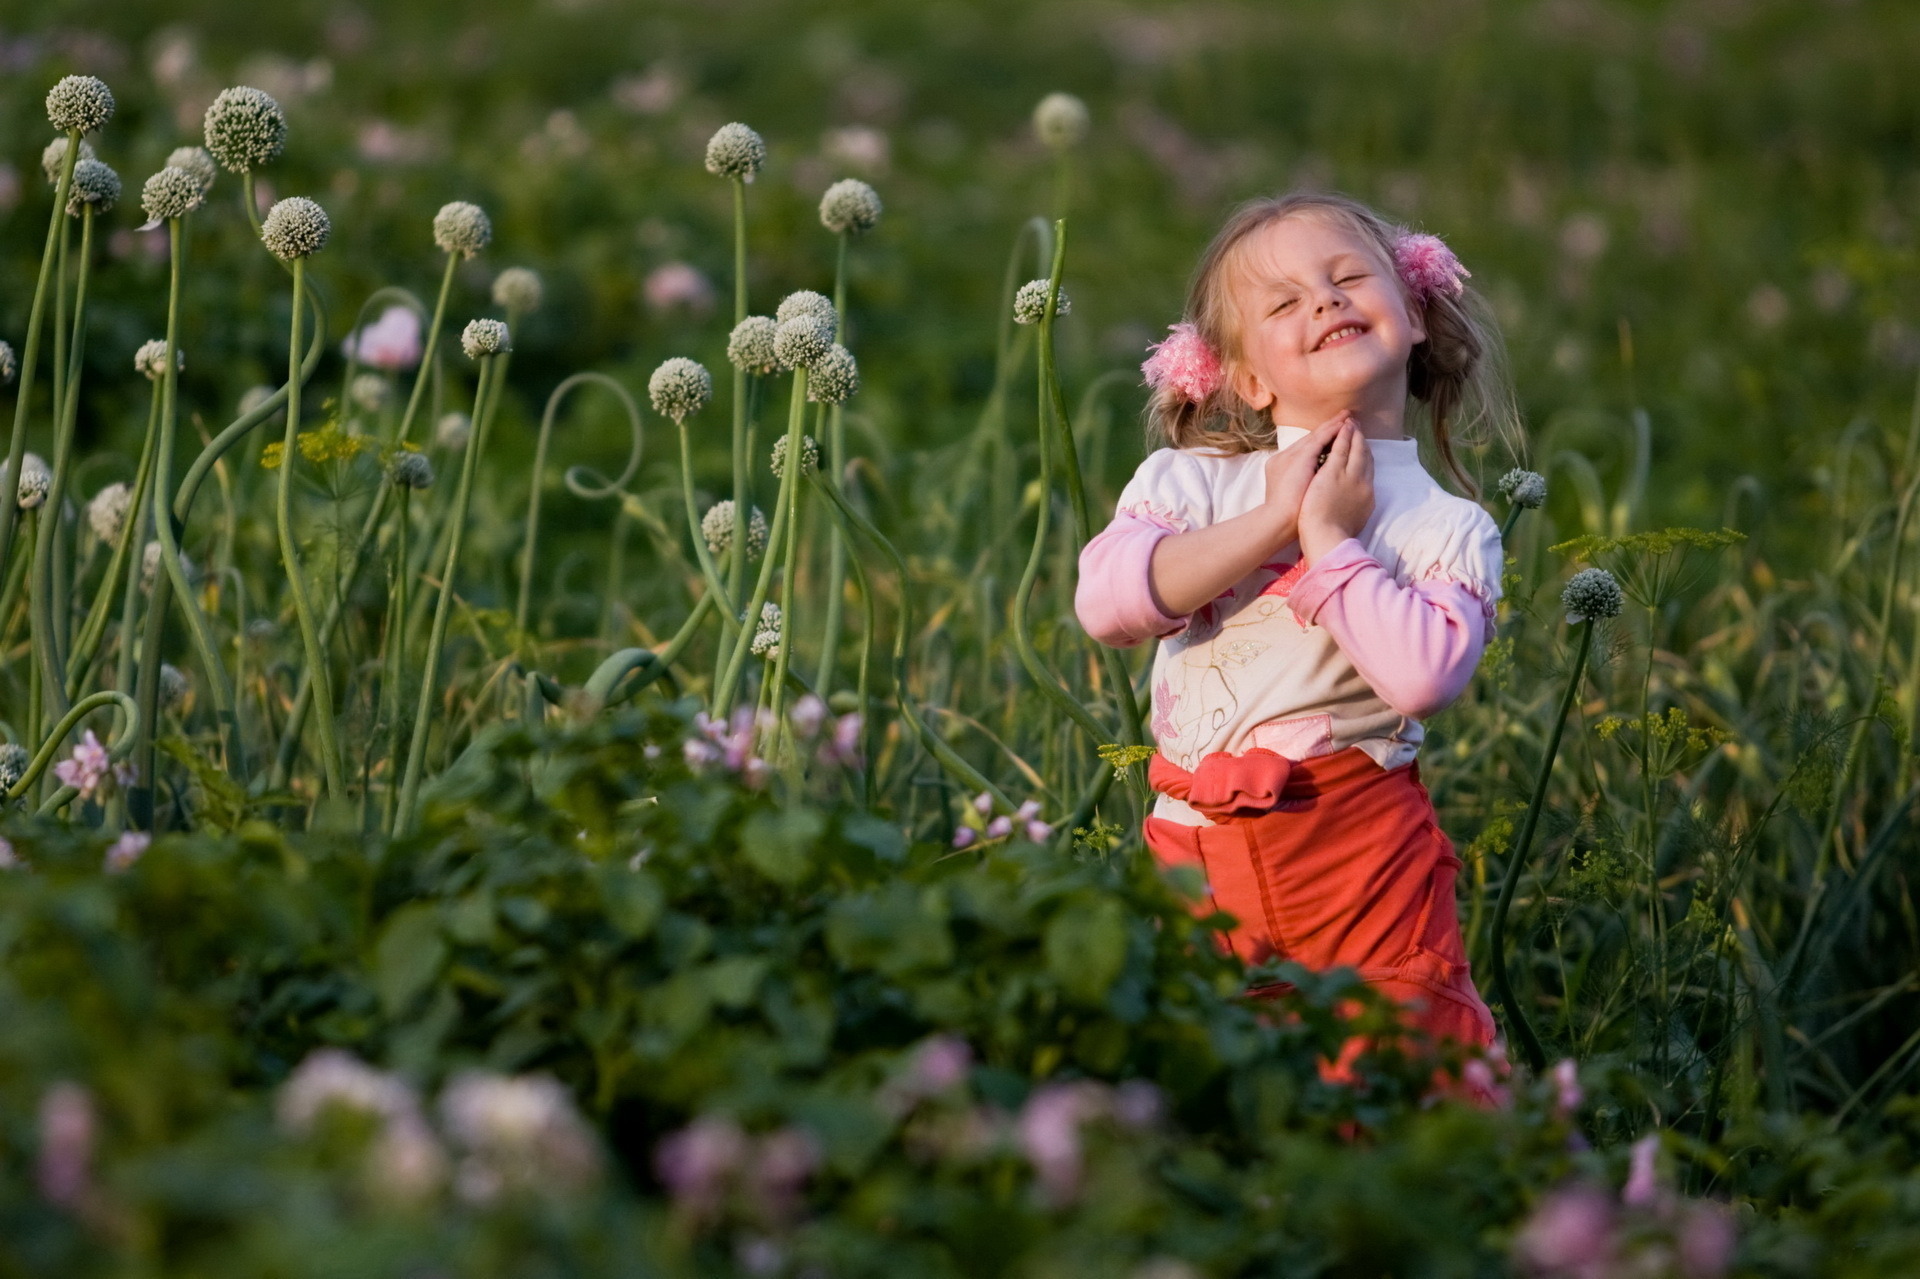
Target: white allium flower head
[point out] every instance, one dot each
(484, 337)
(750, 347)
(171, 193)
(462, 228)
(79, 102)
(1524, 488)
(245, 128)
(150, 565)
(9, 363)
(369, 391)
(766, 637)
(107, 512)
(13, 764)
(1061, 120)
(801, 343)
(410, 470)
(94, 184)
(174, 685)
(809, 456)
(805, 302)
(1592, 594)
(296, 227)
(197, 161)
(331, 1077)
(735, 151)
(36, 478)
(836, 378)
(150, 361)
(520, 1131)
(54, 157)
(518, 289)
(680, 388)
(1030, 303)
(850, 205)
(716, 527)
(452, 430)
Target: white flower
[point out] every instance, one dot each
(150, 361)
(197, 161)
(716, 527)
(483, 338)
(368, 391)
(36, 478)
(462, 228)
(79, 103)
(245, 128)
(295, 228)
(680, 388)
(850, 206)
(835, 378)
(452, 430)
(54, 157)
(750, 346)
(1030, 303)
(94, 184)
(410, 470)
(331, 1077)
(809, 456)
(766, 637)
(107, 512)
(1524, 488)
(172, 193)
(801, 342)
(735, 151)
(518, 1132)
(518, 289)
(1061, 120)
(1592, 594)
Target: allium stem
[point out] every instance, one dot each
(743, 642)
(395, 682)
(836, 465)
(30, 353)
(742, 444)
(709, 570)
(1503, 989)
(789, 592)
(317, 672)
(86, 644)
(422, 719)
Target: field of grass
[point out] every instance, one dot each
(372, 764)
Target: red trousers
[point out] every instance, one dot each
(1329, 862)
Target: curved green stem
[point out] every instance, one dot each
(117, 749)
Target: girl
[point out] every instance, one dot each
(1315, 593)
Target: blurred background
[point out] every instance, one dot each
(1702, 208)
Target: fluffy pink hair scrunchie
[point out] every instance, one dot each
(1428, 267)
(1185, 362)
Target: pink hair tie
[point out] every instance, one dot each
(1427, 267)
(1185, 362)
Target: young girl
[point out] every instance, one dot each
(1315, 592)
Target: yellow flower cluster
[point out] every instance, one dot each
(328, 444)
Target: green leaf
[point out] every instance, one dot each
(895, 930)
(1086, 947)
(779, 845)
(634, 900)
(408, 956)
(734, 982)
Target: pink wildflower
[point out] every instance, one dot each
(87, 767)
(9, 859)
(1706, 1243)
(1566, 1083)
(1643, 1177)
(1184, 362)
(126, 850)
(1428, 267)
(676, 285)
(696, 1162)
(1569, 1236)
(808, 714)
(983, 803)
(68, 1131)
(700, 753)
(1000, 827)
(391, 343)
(1038, 832)
(1049, 1134)
(782, 1163)
(1138, 1104)
(938, 1064)
(1028, 811)
(963, 836)
(843, 747)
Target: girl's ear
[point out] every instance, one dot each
(1417, 320)
(1248, 386)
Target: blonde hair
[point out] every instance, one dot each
(1458, 374)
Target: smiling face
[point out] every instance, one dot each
(1323, 325)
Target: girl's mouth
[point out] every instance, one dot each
(1340, 336)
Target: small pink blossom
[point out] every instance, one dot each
(1569, 1236)
(700, 753)
(675, 286)
(1643, 1176)
(1566, 1083)
(1028, 811)
(963, 836)
(696, 1163)
(1048, 1131)
(983, 803)
(939, 1063)
(1483, 1084)
(1707, 1239)
(68, 1132)
(1000, 827)
(9, 860)
(1184, 362)
(1139, 1104)
(391, 343)
(1428, 267)
(126, 850)
(843, 746)
(86, 768)
(808, 715)
(755, 772)
(1038, 832)
(782, 1163)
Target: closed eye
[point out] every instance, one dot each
(1282, 305)
(1349, 279)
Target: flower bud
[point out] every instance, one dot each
(54, 157)
(809, 456)
(9, 363)
(245, 128)
(410, 470)
(295, 228)
(483, 338)
(801, 342)
(850, 206)
(94, 184)
(805, 302)
(716, 528)
(171, 193)
(680, 388)
(836, 377)
(462, 228)
(79, 103)
(1061, 121)
(1524, 488)
(107, 512)
(1030, 303)
(150, 361)
(735, 151)
(198, 162)
(750, 347)
(518, 290)
(1591, 595)
(36, 478)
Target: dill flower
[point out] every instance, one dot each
(93, 183)
(518, 289)
(13, 764)
(766, 638)
(79, 103)
(801, 343)
(1524, 488)
(835, 378)
(680, 388)
(809, 456)
(735, 151)
(1061, 121)
(805, 302)
(295, 227)
(1592, 594)
(54, 157)
(368, 391)
(197, 161)
(150, 361)
(1030, 303)
(36, 478)
(9, 363)
(245, 128)
(716, 528)
(484, 337)
(410, 470)
(750, 346)
(850, 205)
(462, 228)
(107, 512)
(452, 430)
(171, 193)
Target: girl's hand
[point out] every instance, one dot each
(1340, 498)
(1291, 470)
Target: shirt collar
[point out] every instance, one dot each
(1401, 452)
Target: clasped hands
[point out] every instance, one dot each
(1321, 504)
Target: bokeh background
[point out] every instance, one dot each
(1704, 208)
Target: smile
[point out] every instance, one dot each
(1345, 333)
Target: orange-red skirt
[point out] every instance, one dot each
(1329, 862)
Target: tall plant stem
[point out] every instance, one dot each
(46, 595)
(736, 663)
(1503, 988)
(742, 448)
(86, 644)
(789, 590)
(396, 673)
(403, 818)
(30, 353)
(729, 611)
(317, 672)
(836, 446)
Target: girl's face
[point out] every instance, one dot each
(1324, 325)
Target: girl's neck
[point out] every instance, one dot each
(1378, 422)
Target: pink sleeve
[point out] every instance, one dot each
(1417, 645)
(1114, 599)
